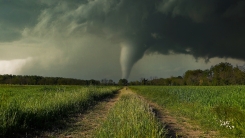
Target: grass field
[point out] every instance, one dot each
(214, 108)
(23, 107)
(131, 117)
(220, 108)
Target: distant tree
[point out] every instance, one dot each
(107, 82)
(135, 83)
(143, 81)
(111, 82)
(222, 74)
(194, 77)
(238, 76)
(177, 81)
(94, 82)
(39, 80)
(104, 81)
(123, 82)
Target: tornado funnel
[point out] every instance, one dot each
(130, 54)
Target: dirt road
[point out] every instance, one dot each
(83, 124)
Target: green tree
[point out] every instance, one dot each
(194, 77)
(222, 74)
(123, 82)
(238, 76)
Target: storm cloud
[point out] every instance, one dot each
(95, 36)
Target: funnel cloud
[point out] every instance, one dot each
(130, 54)
(101, 38)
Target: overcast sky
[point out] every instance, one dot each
(113, 39)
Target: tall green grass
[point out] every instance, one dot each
(131, 117)
(23, 107)
(220, 108)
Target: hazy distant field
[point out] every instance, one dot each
(22, 107)
(219, 108)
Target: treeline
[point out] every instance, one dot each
(221, 74)
(39, 80)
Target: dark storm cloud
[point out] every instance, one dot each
(202, 28)
(208, 29)
(15, 16)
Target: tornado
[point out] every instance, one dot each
(130, 54)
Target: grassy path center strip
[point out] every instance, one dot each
(130, 117)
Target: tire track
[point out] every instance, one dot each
(178, 127)
(82, 124)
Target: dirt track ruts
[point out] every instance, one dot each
(83, 124)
